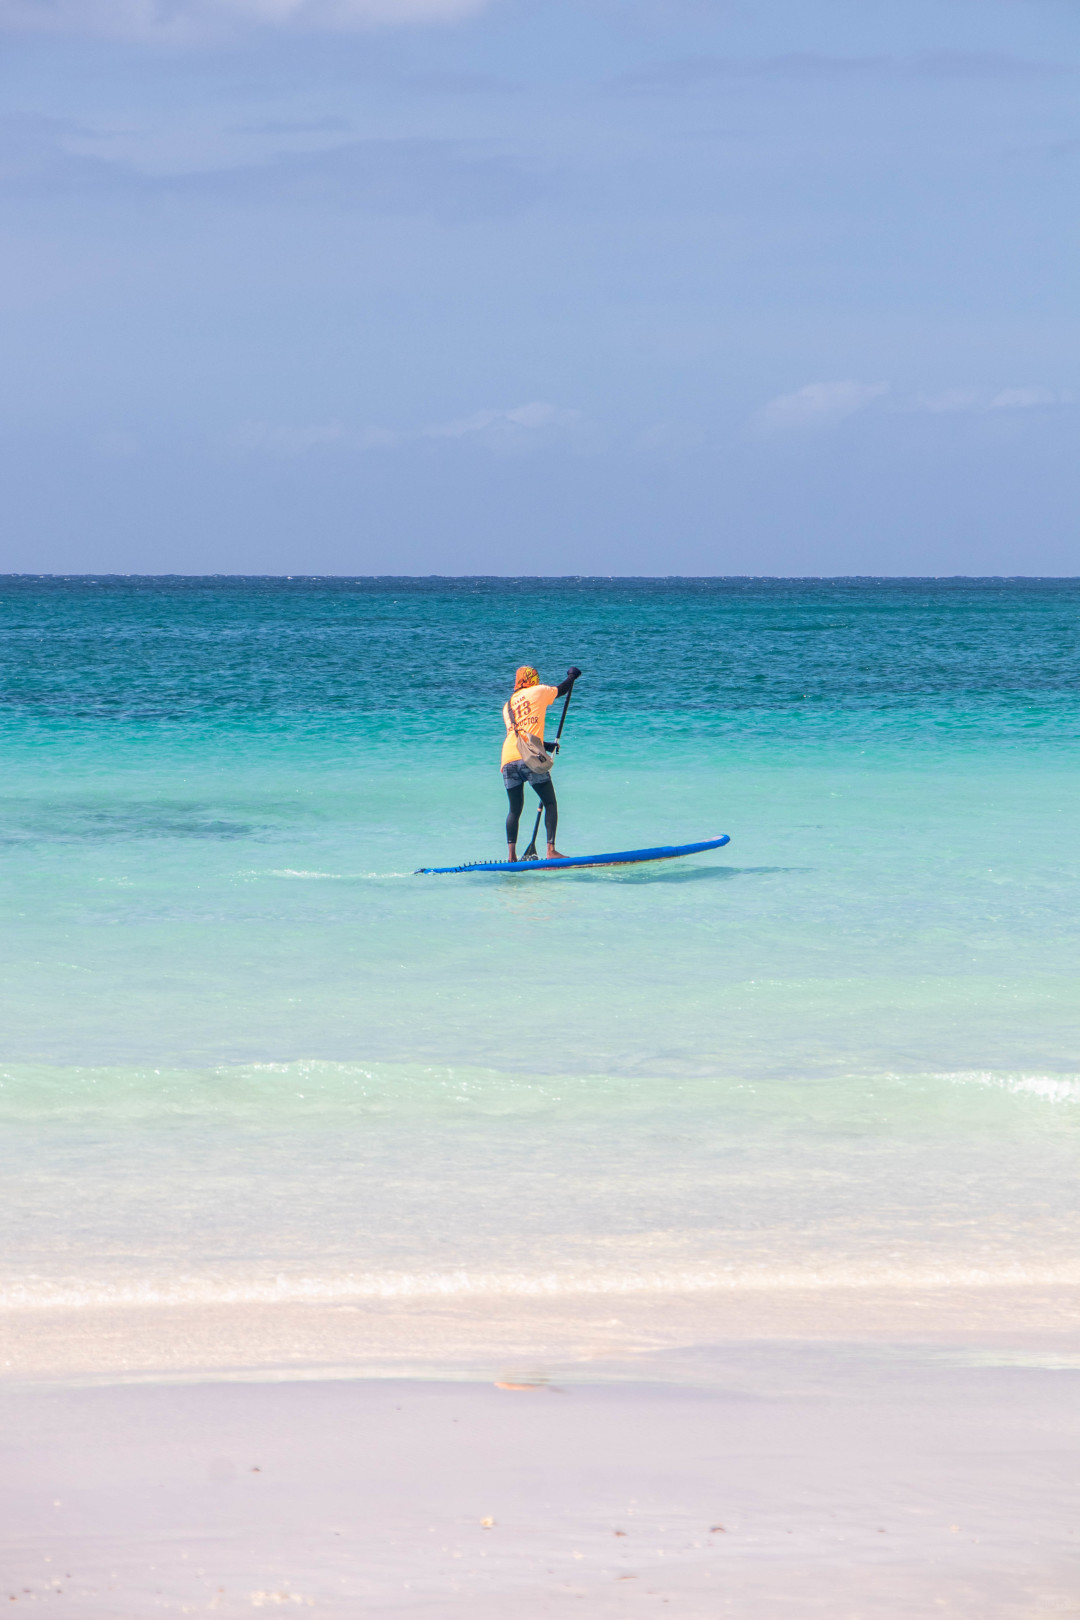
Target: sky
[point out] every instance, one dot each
(540, 286)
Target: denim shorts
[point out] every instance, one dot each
(517, 773)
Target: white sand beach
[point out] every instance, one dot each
(775, 1480)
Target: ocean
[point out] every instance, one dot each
(250, 1059)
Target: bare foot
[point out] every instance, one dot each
(511, 852)
(554, 854)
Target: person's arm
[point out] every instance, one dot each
(560, 691)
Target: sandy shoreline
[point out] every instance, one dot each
(630, 1336)
(868, 1453)
(845, 1485)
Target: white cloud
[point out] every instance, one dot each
(185, 21)
(523, 428)
(687, 73)
(1005, 399)
(288, 441)
(818, 405)
(1024, 399)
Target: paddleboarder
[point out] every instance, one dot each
(523, 716)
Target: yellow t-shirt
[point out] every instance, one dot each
(530, 707)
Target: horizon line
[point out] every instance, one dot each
(742, 579)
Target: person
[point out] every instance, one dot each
(525, 710)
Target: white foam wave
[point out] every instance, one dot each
(290, 872)
(69, 1294)
(304, 875)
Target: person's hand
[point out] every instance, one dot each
(573, 672)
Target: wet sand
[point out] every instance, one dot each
(642, 1336)
(792, 1480)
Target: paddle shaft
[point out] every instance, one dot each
(530, 853)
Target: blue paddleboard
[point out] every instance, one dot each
(624, 857)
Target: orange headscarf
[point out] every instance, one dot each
(526, 676)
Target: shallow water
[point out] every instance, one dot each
(248, 1055)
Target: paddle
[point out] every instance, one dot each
(530, 854)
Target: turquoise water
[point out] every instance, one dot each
(247, 1054)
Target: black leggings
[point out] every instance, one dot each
(545, 792)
